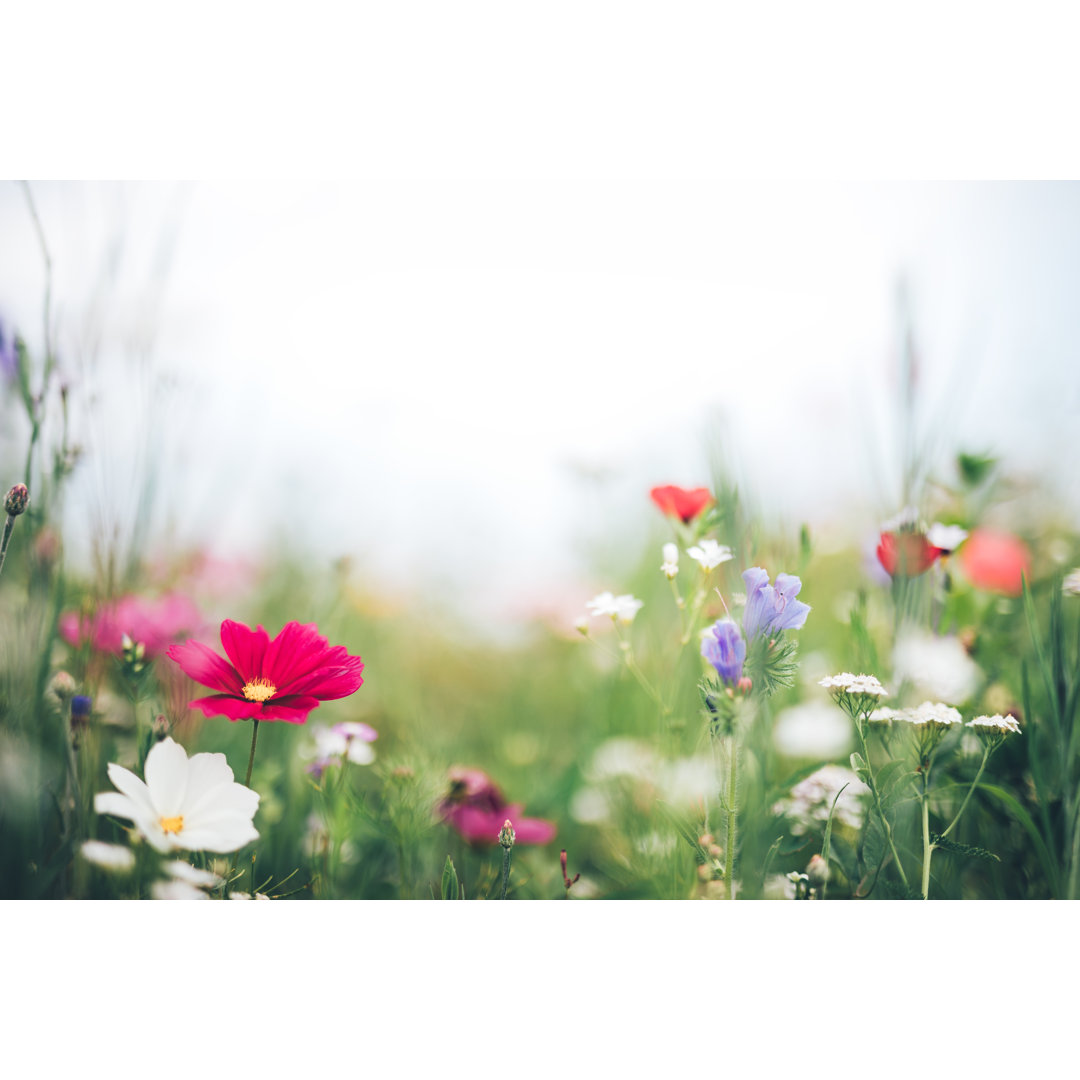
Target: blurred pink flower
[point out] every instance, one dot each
(476, 808)
(280, 679)
(155, 623)
(995, 561)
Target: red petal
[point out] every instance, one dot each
(328, 683)
(235, 708)
(246, 648)
(683, 503)
(297, 650)
(204, 665)
(293, 709)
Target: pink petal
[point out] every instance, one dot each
(292, 708)
(204, 665)
(330, 682)
(296, 651)
(246, 648)
(482, 826)
(235, 708)
(532, 830)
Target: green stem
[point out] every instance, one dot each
(928, 848)
(9, 524)
(877, 805)
(251, 756)
(505, 872)
(967, 798)
(729, 843)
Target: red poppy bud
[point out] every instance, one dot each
(906, 554)
(683, 503)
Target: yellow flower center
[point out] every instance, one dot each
(259, 690)
(172, 824)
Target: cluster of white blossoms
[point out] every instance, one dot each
(670, 566)
(709, 554)
(847, 683)
(929, 712)
(1071, 585)
(623, 608)
(997, 725)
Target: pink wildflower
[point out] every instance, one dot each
(154, 623)
(476, 808)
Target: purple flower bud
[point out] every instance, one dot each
(18, 498)
(725, 649)
(80, 711)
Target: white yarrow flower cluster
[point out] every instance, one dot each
(1071, 585)
(623, 608)
(929, 712)
(996, 725)
(709, 554)
(191, 803)
(854, 684)
(670, 565)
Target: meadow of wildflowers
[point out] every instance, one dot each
(744, 715)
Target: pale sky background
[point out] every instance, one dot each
(466, 383)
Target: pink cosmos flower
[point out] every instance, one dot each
(280, 679)
(476, 808)
(154, 623)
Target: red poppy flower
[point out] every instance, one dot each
(906, 554)
(476, 808)
(683, 503)
(282, 679)
(995, 561)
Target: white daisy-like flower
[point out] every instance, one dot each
(623, 608)
(191, 803)
(176, 890)
(946, 537)
(108, 856)
(670, 565)
(192, 875)
(1071, 585)
(709, 554)
(1002, 725)
(332, 743)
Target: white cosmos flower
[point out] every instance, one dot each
(108, 856)
(176, 890)
(670, 565)
(191, 803)
(946, 537)
(709, 554)
(623, 608)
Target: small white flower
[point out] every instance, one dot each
(1071, 585)
(670, 565)
(623, 608)
(176, 890)
(854, 684)
(946, 537)
(997, 724)
(709, 554)
(939, 666)
(183, 871)
(884, 715)
(108, 856)
(929, 712)
(191, 803)
(333, 744)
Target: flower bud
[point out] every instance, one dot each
(18, 498)
(80, 711)
(63, 686)
(817, 870)
(506, 835)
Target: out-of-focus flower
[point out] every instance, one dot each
(817, 871)
(812, 730)
(996, 561)
(248, 896)
(182, 871)
(112, 857)
(623, 608)
(670, 565)
(475, 807)
(946, 538)
(932, 713)
(349, 741)
(683, 503)
(906, 554)
(811, 799)
(772, 608)
(280, 679)
(1071, 585)
(725, 649)
(995, 725)
(176, 890)
(81, 707)
(191, 803)
(709, 554)
(938, 666)
(9, 354)
(63, 686)
(154, 624)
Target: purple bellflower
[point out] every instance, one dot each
(772, 608)
(725, 649)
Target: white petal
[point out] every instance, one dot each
(183, 871)
(131, 786)
(108, 856)
(205, 772)
(221, 838)
(176, 890)
(223, 801)
(166, 777)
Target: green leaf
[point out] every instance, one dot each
(1021, 815)
(892, 779)
(859, 765)
(686, 831)
(944, 844)
(451, 889)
